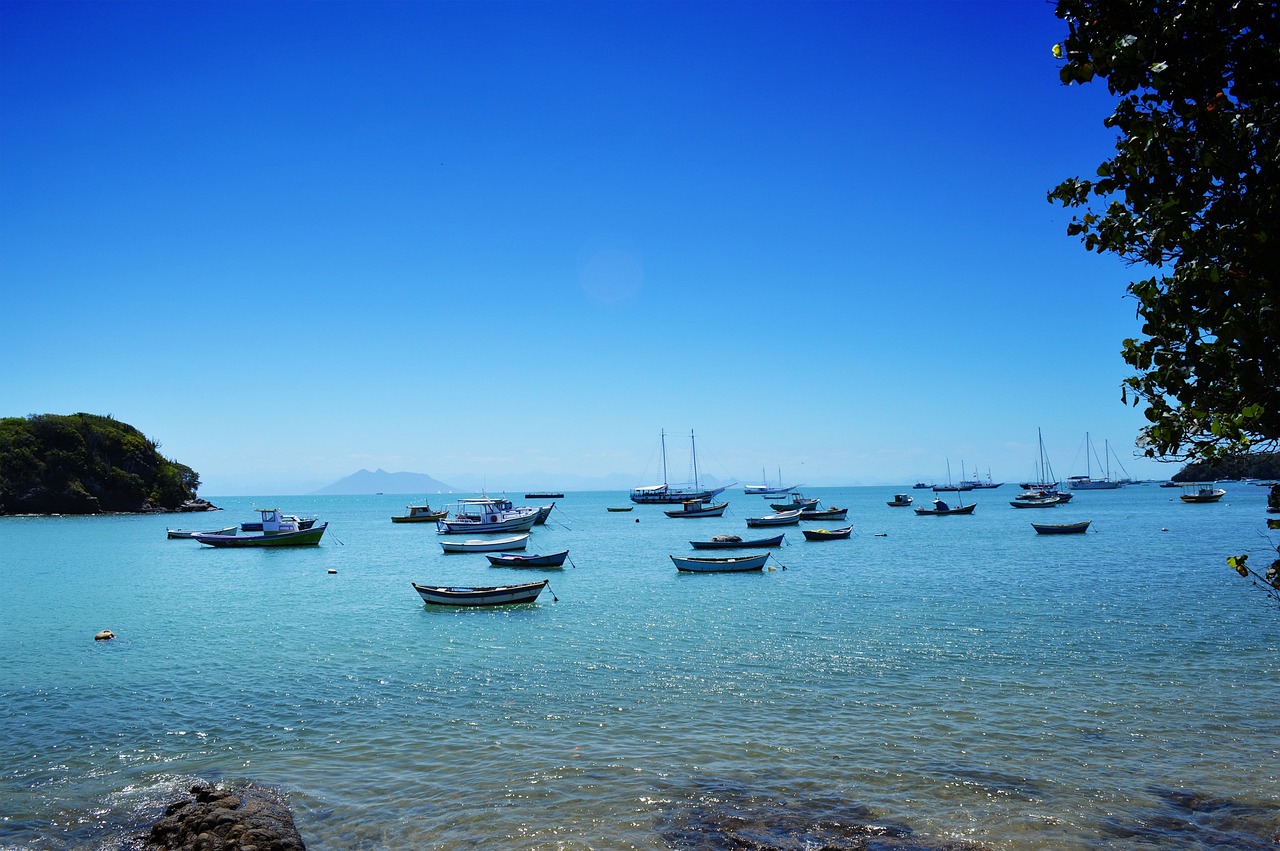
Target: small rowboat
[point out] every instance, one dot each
(734, 564)
(1038, 502)
(797, 501)
(517, 560)
(493, 595)
(191, 533)
(1061, 528)
(623, 508)
(782, 518)
(826, 534)
(479, 545)
(734, 542)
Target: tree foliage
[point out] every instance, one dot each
(84, 464)
(1190, 198)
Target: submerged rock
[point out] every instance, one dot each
(223, 819)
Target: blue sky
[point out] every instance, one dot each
(513, 241)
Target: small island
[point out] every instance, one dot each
(89, 464)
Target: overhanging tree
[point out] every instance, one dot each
(1190, 198)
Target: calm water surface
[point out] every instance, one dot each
(960, 675)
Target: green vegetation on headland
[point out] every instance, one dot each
(88, 464)
(1259, 465)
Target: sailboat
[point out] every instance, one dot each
(978, 484)
(769, 490)
(1087, 482)
(664, 494)
(950, 488)
(1045, 488)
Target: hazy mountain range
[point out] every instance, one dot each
(380, 481)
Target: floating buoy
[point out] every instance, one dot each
(105, 635)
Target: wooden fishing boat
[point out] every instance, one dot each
(1202, 493)
(420, 514)
(621, 508)
(730, 564)
(798, 500)
(824, 514)
(782, 518)
(174, 534)
(278, 530)
(941, 509)
(697, 508)
(543, 513)
(900, 500)
(735, 542)
(482, 545)
(519, 560)
(827, 534)
(1036, 502)
(1061, 528)
(486, 595)
(481, 515)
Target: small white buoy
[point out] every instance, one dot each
(104, 635)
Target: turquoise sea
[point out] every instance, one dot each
(961, 676)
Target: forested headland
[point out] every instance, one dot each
(88, 464)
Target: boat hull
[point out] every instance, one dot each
(494, 545)
(828, 514)
(944, 512)
(733, 564)
(827, 534)
(514, 560)
(483, 527)
(759, 543)
(498, 595)
(1061, 528)
(301, 538)
(700, 511)
(782, 518)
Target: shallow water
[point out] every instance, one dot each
(960, 675)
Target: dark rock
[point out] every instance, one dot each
(223, 819)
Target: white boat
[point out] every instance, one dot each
(780, 518)
(486, 545)
(698, 508)
(481, 515)
(734, 564)
(767, 489)
(1087, 482)
(1201, 493)
(664, 494)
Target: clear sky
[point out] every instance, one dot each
(507, 242)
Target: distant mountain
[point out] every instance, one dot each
(380, 481)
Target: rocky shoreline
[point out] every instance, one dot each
(91, 509)
(244, 818)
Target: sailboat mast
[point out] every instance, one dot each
(693, 452)
(663, 435)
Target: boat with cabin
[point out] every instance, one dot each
(481, 515)
(423, 513)
(697, 508)
(278, 530)
(1087, 482)
(1201, 493)
(900, 500)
